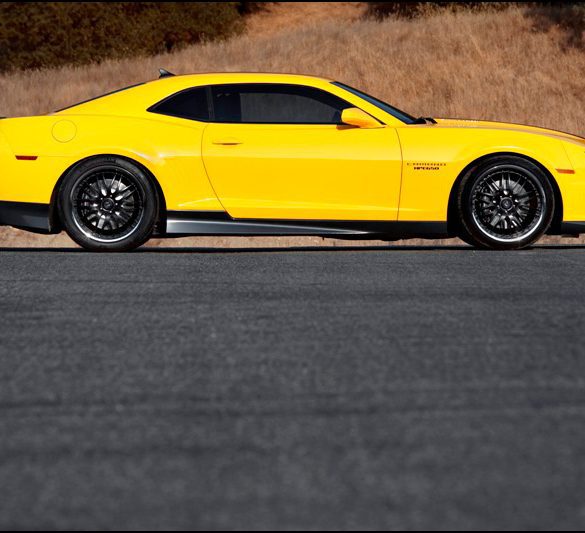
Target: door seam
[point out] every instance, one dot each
(207, 172)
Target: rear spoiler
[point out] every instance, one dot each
(165, 74)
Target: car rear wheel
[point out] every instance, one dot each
(507, 203)
(108, 204)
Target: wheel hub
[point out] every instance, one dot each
(108, 205)
(507, 204)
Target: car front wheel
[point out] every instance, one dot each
(507, 203)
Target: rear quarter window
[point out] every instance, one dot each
(191, 104)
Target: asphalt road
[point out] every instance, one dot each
(352, 389)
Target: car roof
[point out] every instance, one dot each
(251, 77)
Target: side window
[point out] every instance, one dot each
(191, 104)
(275, 104)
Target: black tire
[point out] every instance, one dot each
(108, 204)
(505, 203)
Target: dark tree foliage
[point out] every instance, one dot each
(414, 9)
(567, 15)
(47, 34)
(252, 7)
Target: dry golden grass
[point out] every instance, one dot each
(279, 17)
(469, 65)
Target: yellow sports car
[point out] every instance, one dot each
(273, 154)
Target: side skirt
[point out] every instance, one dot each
(572, 229)
(182, 224)
(37, 218)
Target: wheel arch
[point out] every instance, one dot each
(54, 219)
(452, 214)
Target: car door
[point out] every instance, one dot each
(276, 151)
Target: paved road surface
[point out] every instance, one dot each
(374, 389)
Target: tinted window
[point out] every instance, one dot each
(191, 104)
(275, 104)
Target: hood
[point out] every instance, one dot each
(503, 126)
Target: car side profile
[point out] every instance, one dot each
(274, 154)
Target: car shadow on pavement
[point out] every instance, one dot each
(306, 249)
(283, 250)
(251, 250)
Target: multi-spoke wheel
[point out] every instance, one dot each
(108, 204)
(507, 203)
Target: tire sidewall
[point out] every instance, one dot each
(151, 205)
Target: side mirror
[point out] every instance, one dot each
(360, 119)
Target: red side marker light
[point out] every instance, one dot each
(27, 157)
(565, 171)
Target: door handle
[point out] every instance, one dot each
(228, 142)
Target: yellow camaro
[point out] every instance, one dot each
(273, 154)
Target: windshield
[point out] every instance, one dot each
(391, 110)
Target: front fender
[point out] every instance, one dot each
(435, 157)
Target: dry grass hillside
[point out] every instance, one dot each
(480, 65)
(279, 17)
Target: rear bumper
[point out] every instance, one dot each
(31, 217)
